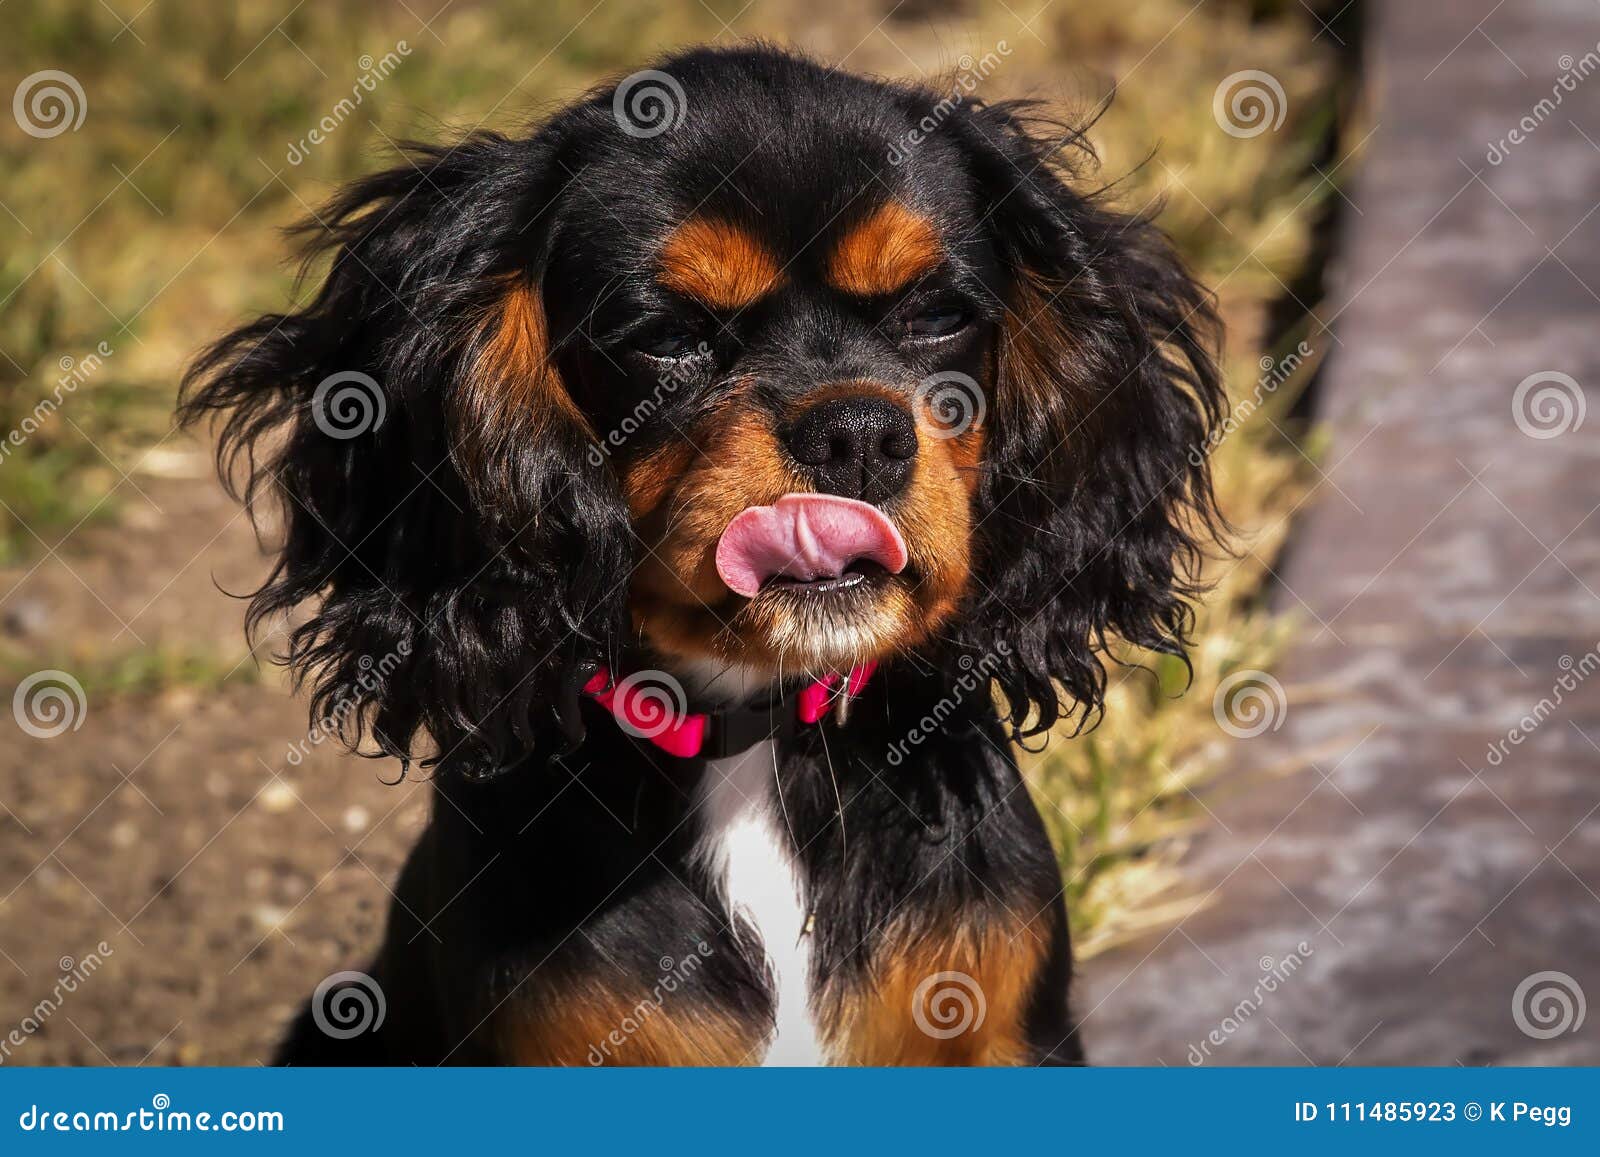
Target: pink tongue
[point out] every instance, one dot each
(805, 537)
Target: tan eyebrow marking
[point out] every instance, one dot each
(718, 263)
(885, 252)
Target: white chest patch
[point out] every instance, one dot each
(744, 846)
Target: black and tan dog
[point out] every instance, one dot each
(718, 474)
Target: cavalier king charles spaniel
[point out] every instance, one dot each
(708, 487)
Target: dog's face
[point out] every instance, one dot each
(807, 370)
(813, 324)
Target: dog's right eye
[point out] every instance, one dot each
(673, 344)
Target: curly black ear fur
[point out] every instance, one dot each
(1106, 383)
(462, 554)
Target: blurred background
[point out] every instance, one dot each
(1251, 866)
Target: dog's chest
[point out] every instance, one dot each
(745, 848)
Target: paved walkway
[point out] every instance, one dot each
(1447, 570)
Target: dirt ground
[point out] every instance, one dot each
(174, 829)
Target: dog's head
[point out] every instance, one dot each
(739, 362)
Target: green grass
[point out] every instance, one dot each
(142, 671)
(154, 264)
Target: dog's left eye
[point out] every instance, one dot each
(940, 321)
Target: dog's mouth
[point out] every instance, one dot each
(809, 546)
(859, 574)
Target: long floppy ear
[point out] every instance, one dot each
(461, 555)
(1098, 503)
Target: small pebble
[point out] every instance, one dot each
(25, 617)
(270, 916)
(278, 796)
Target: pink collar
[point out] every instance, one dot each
(651, 705)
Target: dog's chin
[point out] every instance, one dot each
(833, 625)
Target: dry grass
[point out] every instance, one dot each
(188, 243)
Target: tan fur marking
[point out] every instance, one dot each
(513, 390)
(1034, 346)
(578, 1028)
(677, 599)
(646, 481)
(992, 969)
(885, 252)
(717, 263)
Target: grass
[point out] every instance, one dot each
(144, 671)
(127, 243)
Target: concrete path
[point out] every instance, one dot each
(1395, 900)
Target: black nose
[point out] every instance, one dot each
(856, 447)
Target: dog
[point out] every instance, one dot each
(708, 488)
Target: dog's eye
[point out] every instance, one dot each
(940, 321)
(672, 344)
